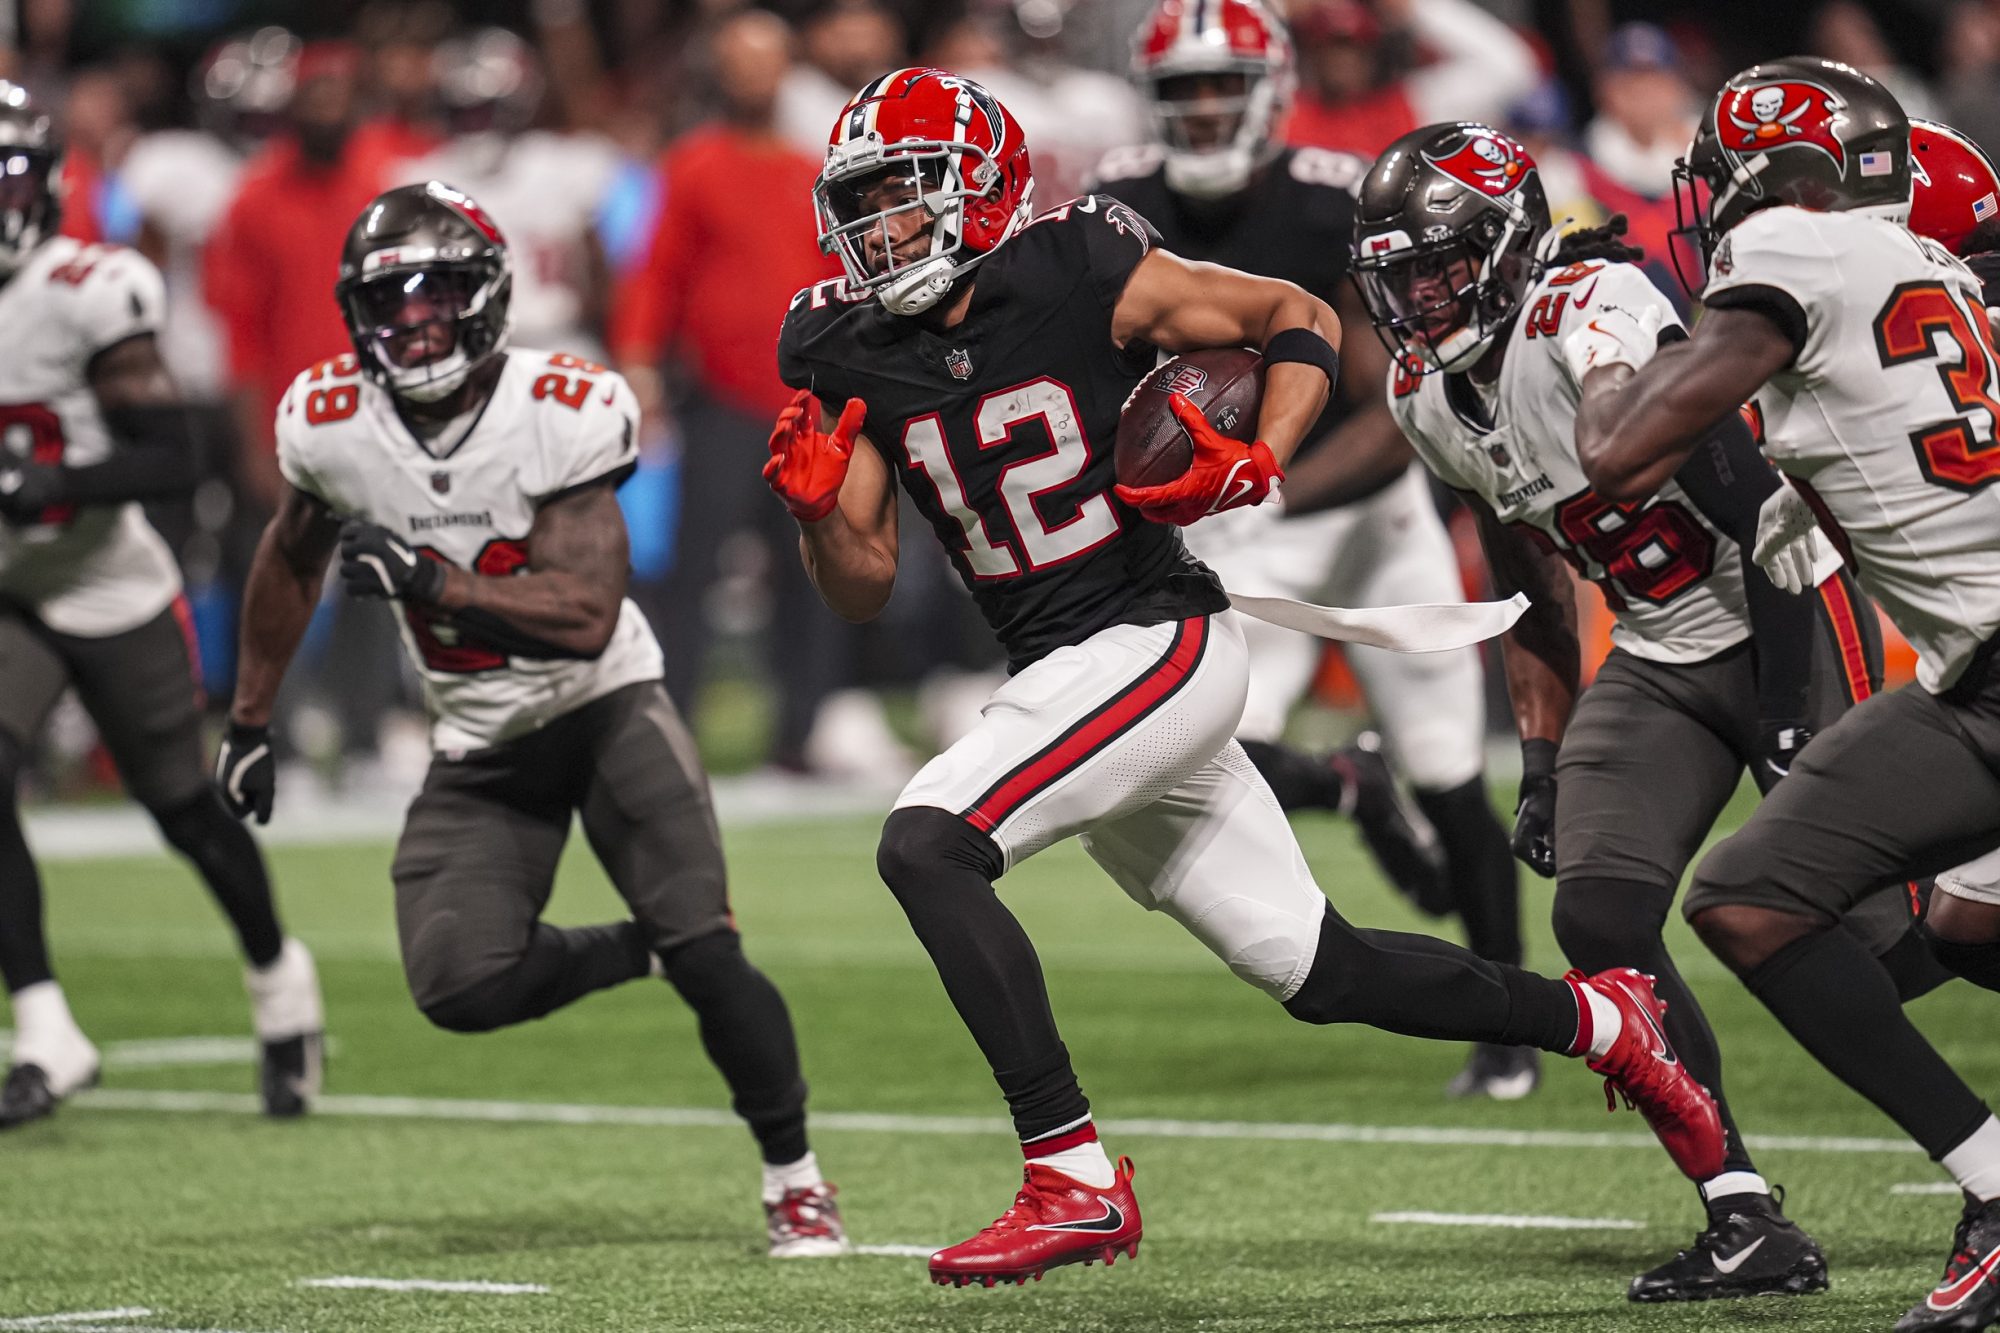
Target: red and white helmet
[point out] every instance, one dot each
(956, 153)
(1183, 40)
(1956, 185)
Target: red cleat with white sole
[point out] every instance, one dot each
(1055, 1220)
(1641, 1067)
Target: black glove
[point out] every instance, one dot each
(1534, 840)
(246, 777)
(375, 562)
(1779, 741)
(26, 489)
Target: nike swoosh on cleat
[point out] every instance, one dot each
(1954, 1294)
(1113, 1220)
(1735, 1261)
(1662, 1049)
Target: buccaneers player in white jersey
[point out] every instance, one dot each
(473, 484)
(988, 356)
(90, 599)
(1871, 364)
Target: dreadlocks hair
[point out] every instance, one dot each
(1982, 239)
(1604, 242)
(1981, 253)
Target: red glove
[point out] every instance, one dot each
(807, 465)
(1225, 474)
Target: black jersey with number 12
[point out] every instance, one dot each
(1001, 428)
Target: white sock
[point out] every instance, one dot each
(782, 1180)
(284, 994)
(1733, 1182)
(1086, 1162)
(1975, 1163)
(46, 1034)
(1605, 1024)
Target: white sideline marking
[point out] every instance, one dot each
(77, 1317)
(1927, 1187)
(166, 1052)
(1511, 1221)
(680, 1117)
(425, 1284)
(900, 1251)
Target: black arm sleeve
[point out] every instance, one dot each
(503, 635)
(1728, 481)
(152, 458)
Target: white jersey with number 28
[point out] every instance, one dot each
(553, 424)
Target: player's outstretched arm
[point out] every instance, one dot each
(851, 547)
(278, 600)
(1182, 306)
(1633, 434)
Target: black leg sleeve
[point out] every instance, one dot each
(228, 860)
(1480, 868)
(942, 870)
(1837, 1001)
(1610, 923)
(24, 945)
(558, 965)
(747, 1032)
(1424, 987)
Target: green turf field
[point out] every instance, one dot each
(210, 1219)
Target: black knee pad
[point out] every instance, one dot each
(191, 824)
(707, 966)
(481, 1007)
(1977, 963)
(1604, 923)
(919, 840)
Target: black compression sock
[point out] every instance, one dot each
(1425, 987)
(747, 1032)
(1297, 779)
(24, 945)
(228, 860)
(1480, 868)
(942, 870)
(1835, 999)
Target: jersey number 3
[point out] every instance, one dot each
(1022, 484)
(1959, 452)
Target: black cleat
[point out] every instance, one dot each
(290, 1075)
(1504, 1073)
(1968, 1297)
(1749, 1249)
(1399, 838)
(27, 1095)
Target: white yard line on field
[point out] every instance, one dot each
(426, 1284)
(1510, 1221)
(676, 1117)
(899, 1251)
(166, 1052)
(1927, 1187)
(76, 1317)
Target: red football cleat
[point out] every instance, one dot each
(1055, 1220)
(1641, 1067)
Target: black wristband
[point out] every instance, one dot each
(1306, 347)
(1538, 760)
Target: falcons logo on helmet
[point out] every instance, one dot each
(1489, 163)
(1764, 116)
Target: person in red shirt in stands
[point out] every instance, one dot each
(733, 245)
(274, 256)
(1370, 71)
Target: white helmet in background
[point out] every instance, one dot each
(1218, 75)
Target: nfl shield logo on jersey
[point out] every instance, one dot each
(959, 362)
(441, 482)
(1498, 453)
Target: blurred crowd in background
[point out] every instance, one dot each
(650, 162)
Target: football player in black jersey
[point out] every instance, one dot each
(988, 357)
(1220, 187)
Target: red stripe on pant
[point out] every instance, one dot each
(1098, 731)
(1847, 634)
(184, 617)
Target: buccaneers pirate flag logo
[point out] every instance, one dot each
(1489, 163)
(1764, 116)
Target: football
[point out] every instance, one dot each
(1226, 383)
